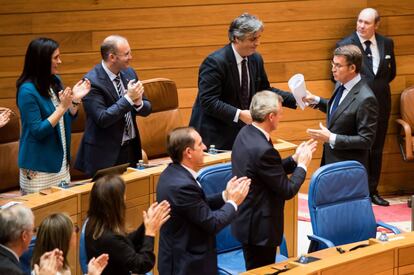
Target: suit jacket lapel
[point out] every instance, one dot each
(380, 45)
(234, 71)
(106, 81)
(365, 60)
(349, 98)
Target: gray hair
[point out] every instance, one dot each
(243, 26)
(264, 103)
(13, 221)
(352, 54)
(110, 45)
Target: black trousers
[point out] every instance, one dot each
(128, 153)
(257, 256)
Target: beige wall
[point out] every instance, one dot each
(171, 38)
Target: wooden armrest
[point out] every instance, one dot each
(408, 138)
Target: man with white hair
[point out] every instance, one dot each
(378, 69)
(16, 232)
(259, 222)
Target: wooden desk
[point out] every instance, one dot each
(382, 258)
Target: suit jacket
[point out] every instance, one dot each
(105, 121)
(259, 219)
(379, 83)
(219, 96)
(40, 145)
(354, 123)
(187, 240)
(134, 252)
(8, 263)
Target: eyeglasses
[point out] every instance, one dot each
(338, 66)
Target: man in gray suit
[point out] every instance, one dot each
(352, 111)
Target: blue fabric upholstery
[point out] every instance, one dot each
(83, 258)
(339, 204)
(26, 258)
(230, 259)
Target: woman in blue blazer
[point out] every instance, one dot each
(46, 112)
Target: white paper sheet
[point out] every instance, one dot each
(298, 87)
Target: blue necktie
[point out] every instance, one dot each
(338, 95)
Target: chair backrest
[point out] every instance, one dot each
(214, 179)
(339, 203)
(9, 150)
(83, 258)
(164, 117)
(406, 107)
(26, 258)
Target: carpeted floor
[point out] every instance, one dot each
(397, 214)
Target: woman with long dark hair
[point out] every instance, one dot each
(46, 111)
(58, 232)
(106, 233)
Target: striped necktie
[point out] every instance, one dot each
(128, 118)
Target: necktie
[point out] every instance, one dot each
(270, 141)
(368, 53)
(128, 118)
(244, 85)
(338, 95)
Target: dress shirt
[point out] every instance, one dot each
(374, 50)
(348, 87)
(194, 174)
(239, 60)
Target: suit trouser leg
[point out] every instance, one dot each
(375, 155)
(256, 256)
(128, 154)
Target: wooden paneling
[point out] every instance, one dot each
(171, 38)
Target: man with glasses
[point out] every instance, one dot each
(378, 69)
(228, 79)
(111, 135)
(16, 232)
(351, 112)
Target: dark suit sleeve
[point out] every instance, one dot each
(190, 204)
(288, 98)
(272, 173)
(323, 105)
(95, 104)
(138, 259)
(215, 201)
(366, 123)
(393, 66)
(211, 78)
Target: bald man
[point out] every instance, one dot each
(378, 69)
(111, 135)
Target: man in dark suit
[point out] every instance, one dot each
(16, 232)
(187, 240)
(378, 69)
(259, 222)
(228, 79)
(351, 112)
(111, 135)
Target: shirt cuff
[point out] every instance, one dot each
(236, 117)
(317, 99)
(301, 165)
(129, 99)
(332, 140)
(232, 203)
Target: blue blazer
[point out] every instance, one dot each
(40, 146)
(187, 240)
(105, 121)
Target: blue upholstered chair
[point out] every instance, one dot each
(340, 207)
(83, 258)
(230, 258)
(26, 257)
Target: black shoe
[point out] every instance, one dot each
(376, 199)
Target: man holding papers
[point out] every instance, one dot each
(352, 111)
(228, 79)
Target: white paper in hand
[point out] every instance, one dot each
(297, 86)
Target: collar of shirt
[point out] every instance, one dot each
(372, 39)
(192, 172)
(239, 58)
(351, 83)
(11, 251)
(266, 134)
(111, 75)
